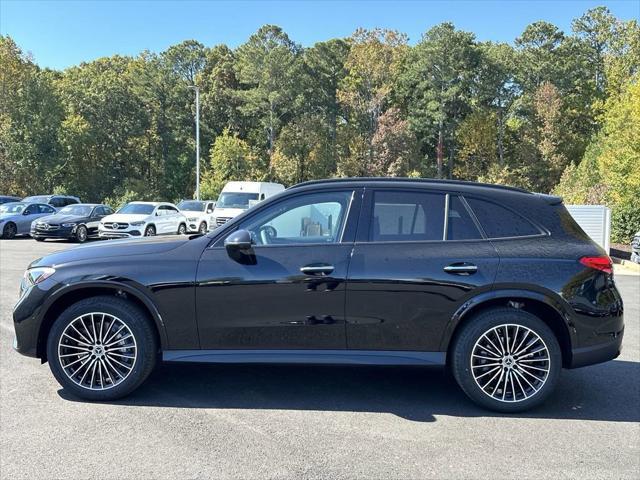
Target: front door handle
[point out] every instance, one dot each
(462, 268)
(317, 269)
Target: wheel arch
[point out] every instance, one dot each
(73, 293)
(546, 308)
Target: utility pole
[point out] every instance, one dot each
(195, 87)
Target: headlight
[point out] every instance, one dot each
(136, 224)
(35, 275)
(68, 225)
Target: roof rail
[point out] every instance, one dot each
(409, 180)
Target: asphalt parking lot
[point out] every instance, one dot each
(195, 421)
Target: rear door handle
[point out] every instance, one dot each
(317, 269)
(462, 268)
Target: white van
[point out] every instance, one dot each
(236, 197)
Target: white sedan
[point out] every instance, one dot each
(137, 219)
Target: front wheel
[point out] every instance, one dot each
(9, 231)
(506, 360)
(203, 228)
(101, 348)
(150, 231)
(182, 229)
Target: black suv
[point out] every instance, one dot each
(498, 284)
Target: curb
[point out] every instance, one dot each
(627, 264)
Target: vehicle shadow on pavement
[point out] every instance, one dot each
(607, 392)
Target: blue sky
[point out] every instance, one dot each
(64, 33)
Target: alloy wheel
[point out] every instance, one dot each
(203, 228)
(10, 231)
(182, 229)
(81, 234)
(510, 363)
(97, 351)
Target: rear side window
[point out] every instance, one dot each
(57, 202)
(460, 225)
(499, 222)
(406, 216)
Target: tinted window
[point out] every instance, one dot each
(57, 202)
(46, 209)
(69, 201)
(314, 218)
(407, 216)
(499, 222)
(31, 209)
(107, 210)
(460, 225)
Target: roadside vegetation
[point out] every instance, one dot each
(553, 112)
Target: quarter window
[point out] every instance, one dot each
(499, 222)
(407, 216)
(314, 218)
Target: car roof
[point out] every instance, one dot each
(419, 182)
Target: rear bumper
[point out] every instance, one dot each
(599, 353)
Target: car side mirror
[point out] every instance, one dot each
(209, 210)
(240, 247)
(157, 214)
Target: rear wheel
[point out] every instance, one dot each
(10, 230)
(506, 360)
(101, 348)
(81, 234)
(150, 231)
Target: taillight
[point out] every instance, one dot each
(602, 263)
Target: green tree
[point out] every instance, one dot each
(436, 84)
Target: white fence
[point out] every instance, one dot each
(595, 220)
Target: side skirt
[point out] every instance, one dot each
(344, 357)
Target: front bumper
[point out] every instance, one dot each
(59, 233)
(133, 233)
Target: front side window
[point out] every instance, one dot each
(407, 216)
(305, 219)
(46, 209)
(500, 222)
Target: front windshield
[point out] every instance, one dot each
(191, 206)
(79, 210)
(12, 208)
(137, 209)
(37, 199)
(235, 199)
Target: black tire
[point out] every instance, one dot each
(202, 229)
(150, 231)
(81, 234)
(182, 229)
(470, 335)
(38, 239)
(138, 324)
(9, 231)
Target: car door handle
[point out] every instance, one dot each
(462, 268)
(317, 269)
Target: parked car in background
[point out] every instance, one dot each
(56, 201)
(16, 217)
(137, 219)
(8, 199)
(74, 222)
(635, 248)
(499, 284)
(236, 197)
(199, 214)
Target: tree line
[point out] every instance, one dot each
(551, 112)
